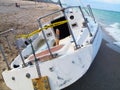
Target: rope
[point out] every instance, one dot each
(39, 30)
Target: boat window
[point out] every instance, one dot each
(64, 30)
(49, 34)
(71, 17)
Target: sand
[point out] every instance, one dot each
(103, 73)
(22, 19)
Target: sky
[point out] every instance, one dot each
(113, 5)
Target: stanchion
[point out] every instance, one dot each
(5, 59)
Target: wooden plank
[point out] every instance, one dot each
(44, 55)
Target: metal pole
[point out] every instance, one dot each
(60, 3)
(36, 60)
(19, 50)
(5, 59)
(70, 30)
(69, 27)
(6, 37)
(20, 54)
(85, 20)
(45, 38)
(90, 10)
(84, 8)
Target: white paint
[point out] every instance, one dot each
(62, 71)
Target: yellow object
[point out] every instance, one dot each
(41, 83)
(39, 30)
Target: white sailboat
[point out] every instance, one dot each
(49, 66)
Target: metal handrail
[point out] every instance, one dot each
(91, 13)
(50, 14)
(92, 40)
(36, 60)
(5, 59)
(19, 50)
(45, 38)
(85, 21)
(63, 9)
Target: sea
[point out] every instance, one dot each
(110, 20)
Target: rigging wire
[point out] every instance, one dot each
(83, 6)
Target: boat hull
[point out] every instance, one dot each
(61, 72)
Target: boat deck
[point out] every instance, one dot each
(45, 55)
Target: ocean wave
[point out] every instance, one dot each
(117, 43)
(115, 25)
(114, 31)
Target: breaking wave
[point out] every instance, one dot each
(114, 31)
(116, 25)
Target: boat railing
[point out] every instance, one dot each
(5, 35)
(92, 40)
(91, 12)
(70, 30)
(63, 10)
(41, 26)
(5, 59)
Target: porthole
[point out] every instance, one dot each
(71, 17)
